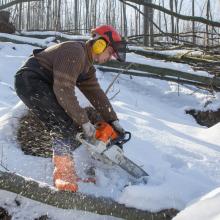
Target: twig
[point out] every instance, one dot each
(116, 77)
(1, 162)
(115, 95)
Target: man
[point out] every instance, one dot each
(46, 83)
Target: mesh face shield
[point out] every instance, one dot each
(120, 50)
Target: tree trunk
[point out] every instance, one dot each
(146, 26)
(172, 19)
(207, 26)
(68, 200)
(125, 20)
(193, 22)
(20, 16)
(28, 16)
(76, 16)
(151, 15)
(211, 82)
(58, 23)
(165, 21)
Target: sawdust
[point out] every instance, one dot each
(34, 138)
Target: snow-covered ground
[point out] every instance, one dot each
(181, 157)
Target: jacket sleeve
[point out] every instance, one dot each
(66, 69)
(93, 92)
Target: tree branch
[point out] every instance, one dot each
(183, 17)
(9, 4)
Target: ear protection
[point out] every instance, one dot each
(99, 46)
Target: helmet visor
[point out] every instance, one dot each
(120, 50)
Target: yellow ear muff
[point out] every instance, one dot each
(99, 46)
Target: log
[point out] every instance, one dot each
(149, 75)
(22, 40)
(213, 60)
(164, 73)
(67, 200)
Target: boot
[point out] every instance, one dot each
(64, 175)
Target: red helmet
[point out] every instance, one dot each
(113, 39)
(108, 33)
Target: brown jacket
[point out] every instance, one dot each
(71, 64)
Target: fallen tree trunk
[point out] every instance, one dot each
(38, 40)
(162, 73)
(149, 75)
(68, 200)
(214, 60)
(25, 40)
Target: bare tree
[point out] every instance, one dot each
(148, 25)
(20, 14)
(207, 26)
(193, 22)
(172, 18)
(124, 20)
(76, 15)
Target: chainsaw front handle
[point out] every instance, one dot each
(121, 139)
(127, 133)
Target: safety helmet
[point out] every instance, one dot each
(112, 38)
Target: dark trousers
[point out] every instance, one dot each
(36, 91)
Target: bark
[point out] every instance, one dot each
(87, 14)
(76, 15)
(207, 26)
(48, 15)
(146, 26)
(177, 19)
(20, 16)
(68, 200)
(28, 16)
(193, 23)
(58, 23)
(125, 20)
(151, 14)
(172, 18)
(165, 20)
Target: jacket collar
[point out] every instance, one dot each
(89, 52)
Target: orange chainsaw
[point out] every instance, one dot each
(108, 147)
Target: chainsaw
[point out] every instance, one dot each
(107, 146)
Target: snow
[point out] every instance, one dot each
(39, 42)
(29, 209)
(181, 157)
(55, 33)
(205, 208)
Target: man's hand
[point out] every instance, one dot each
(89, 130)
(116, 125)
